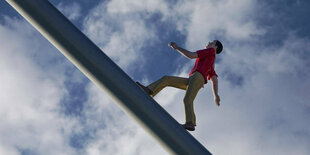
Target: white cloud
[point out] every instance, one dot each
(31, 94)
(148, 7)
(121, 29)
(201, 20)
(71, 10)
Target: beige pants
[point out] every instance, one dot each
(191, 85)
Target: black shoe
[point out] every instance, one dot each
(146, 89)
(189, 126)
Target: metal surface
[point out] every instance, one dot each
(100, 69)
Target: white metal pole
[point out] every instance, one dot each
(100, 69)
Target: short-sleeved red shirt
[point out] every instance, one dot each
(205, 63)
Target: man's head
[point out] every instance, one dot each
(217, 45)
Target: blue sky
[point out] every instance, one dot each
(49, 107)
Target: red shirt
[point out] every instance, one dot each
(205, 63)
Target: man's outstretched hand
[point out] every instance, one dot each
(217, 100)
(173, 45)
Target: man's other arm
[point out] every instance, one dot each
(215, 90)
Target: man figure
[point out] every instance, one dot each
(202, 71)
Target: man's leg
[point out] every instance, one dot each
(196, 81)
(172, 81)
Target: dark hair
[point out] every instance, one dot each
(219, 47)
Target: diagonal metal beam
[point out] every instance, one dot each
(100, 69)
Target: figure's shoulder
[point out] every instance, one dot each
(206, 52)
(211, 50)
(200, 50)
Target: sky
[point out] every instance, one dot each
(47, 106)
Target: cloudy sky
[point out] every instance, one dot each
(47, 106)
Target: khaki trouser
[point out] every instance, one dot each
(191, 85)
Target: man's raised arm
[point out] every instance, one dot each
(184, 52)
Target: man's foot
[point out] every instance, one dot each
(146, 89)
(189, 126)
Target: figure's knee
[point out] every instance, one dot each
(165, 79)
